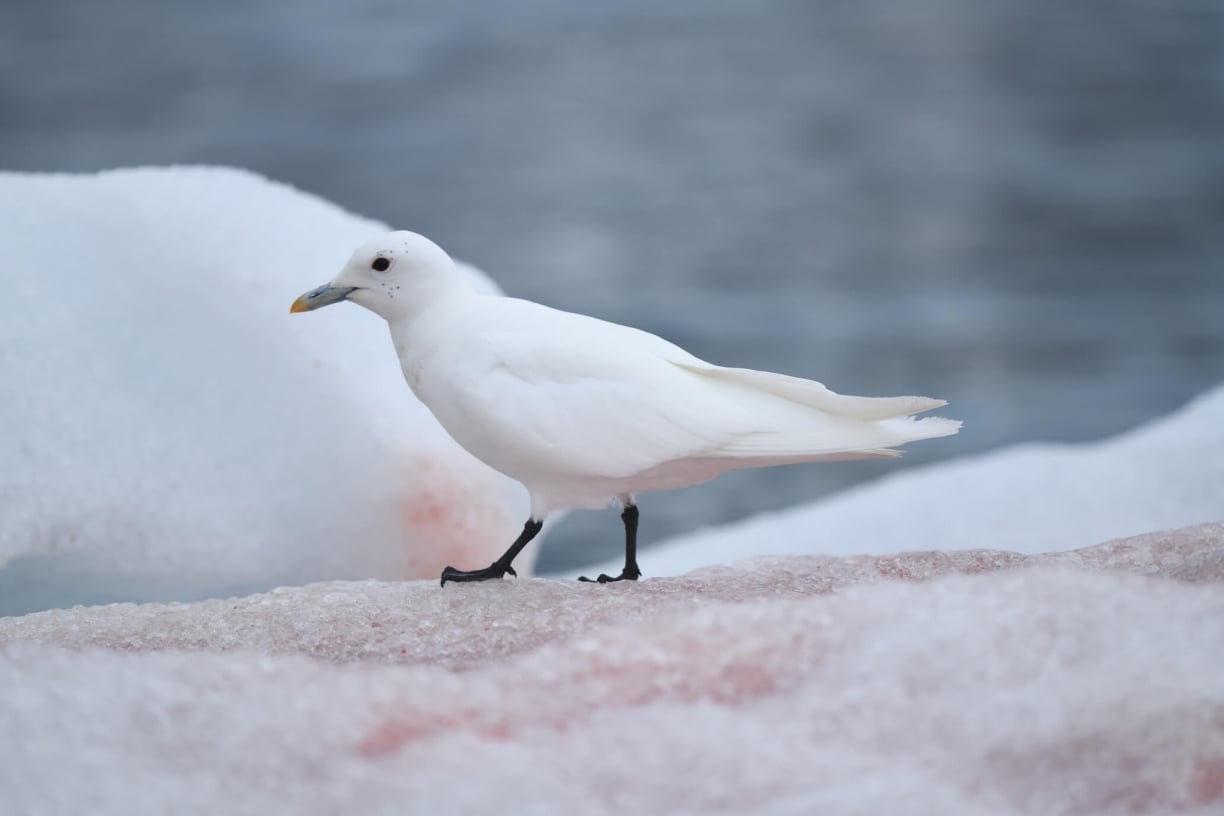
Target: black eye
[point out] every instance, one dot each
(380, 265)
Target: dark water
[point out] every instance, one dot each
(1018, 206)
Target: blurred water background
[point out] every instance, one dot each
(1016, 205)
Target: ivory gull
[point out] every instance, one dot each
(583, 411)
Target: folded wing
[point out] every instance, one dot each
(600, 399)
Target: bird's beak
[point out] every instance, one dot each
(325, 295)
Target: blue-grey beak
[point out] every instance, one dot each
(325, 295)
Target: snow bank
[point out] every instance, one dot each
(171, 432)
(1030, 498)
(1086, 682)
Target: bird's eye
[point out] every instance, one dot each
(380, 265)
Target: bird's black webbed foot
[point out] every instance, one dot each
(501, 566)
(494, 570)
(627, 574)
(631, 572)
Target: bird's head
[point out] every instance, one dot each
(394, 275)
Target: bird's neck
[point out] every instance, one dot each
(416, 301)
(417, 333)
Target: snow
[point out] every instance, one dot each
(1028, 498)
(955, 683)
(178, 434)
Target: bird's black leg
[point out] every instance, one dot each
(631, 571)
(502, 565)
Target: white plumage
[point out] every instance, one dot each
(581, 410)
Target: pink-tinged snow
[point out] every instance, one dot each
(970, 682)
(172, 432)
(1030, 498)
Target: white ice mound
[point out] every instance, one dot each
(1089, 682)
(1030, 498)
(172, 432)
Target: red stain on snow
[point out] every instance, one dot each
(694, 669)
(424, 509)
(393, 735)
(452, 514)
(1207, 782)
(389, 738)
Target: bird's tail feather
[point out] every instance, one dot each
(816, 395)
(840, 439)
(802, 420)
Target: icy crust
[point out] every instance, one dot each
(957, 683)
(417, 622)
(1165, 474)
(171, 432)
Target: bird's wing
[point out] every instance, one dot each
(573, 394)
(802, 420)
(816, 395)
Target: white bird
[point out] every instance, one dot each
(583, 411)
